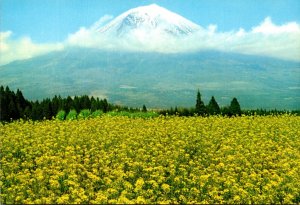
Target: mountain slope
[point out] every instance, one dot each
(158, 80)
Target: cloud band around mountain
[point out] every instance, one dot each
(266, 39)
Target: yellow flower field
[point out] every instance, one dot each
(249, 159)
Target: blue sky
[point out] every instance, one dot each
(47, 21)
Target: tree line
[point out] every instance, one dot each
(14, 106)
(201, 109)
(213, 108)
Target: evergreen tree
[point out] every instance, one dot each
(171, 112)
(144, 108)
(55, 105)
(200, 107)
(69, 104)
(85, 102)
(36, 113)
(235, 108)
(20, 103)
(213, 107)
(46, 109)
(98, 104)
(60, 103)
(185, 112)
(7, 90)
(93, 104)
(12, 110)
(27, 114)
(3, 104)
(77, 104)
(225, 111)
(105, 105)
(176, 111)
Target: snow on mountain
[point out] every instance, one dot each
(149, 20)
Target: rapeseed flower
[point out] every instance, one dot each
(159, 160)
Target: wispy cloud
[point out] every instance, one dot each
(269, 28)
(267, 39)
(23, 48)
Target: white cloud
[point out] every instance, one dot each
(212, 28)
(280, 41)
(4, 47)
(267, 39)
(22, 48)
(269, 28)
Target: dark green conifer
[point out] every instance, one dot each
(200, 107)
(235, 108)
(144, 108)
(213, 107)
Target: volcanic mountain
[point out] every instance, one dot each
(156, 79)
(150, 20)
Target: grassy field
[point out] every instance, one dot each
(118, 159)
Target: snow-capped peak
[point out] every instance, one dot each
(149, 19)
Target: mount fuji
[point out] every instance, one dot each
(157, 79)
(149, 20)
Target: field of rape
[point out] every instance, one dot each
(118, 159)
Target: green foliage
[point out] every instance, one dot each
(97, 113)
(72, 115)
(84, 114)
(134, 114)
(144, 114)
(61, 115)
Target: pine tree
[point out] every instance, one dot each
(55, 105)
(77, 104)
(86, 103)
(60, 103)
(12, 110)
(105, 105)
(69, 104)
(200, 107)
(144, 108)
(176, 110)
(27, 114)
(46, 109)
(213, 107)
(36, 111)
(93, 104)
(20, 103)
(235, 108)
(3, 104)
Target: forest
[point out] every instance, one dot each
(13, 106)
